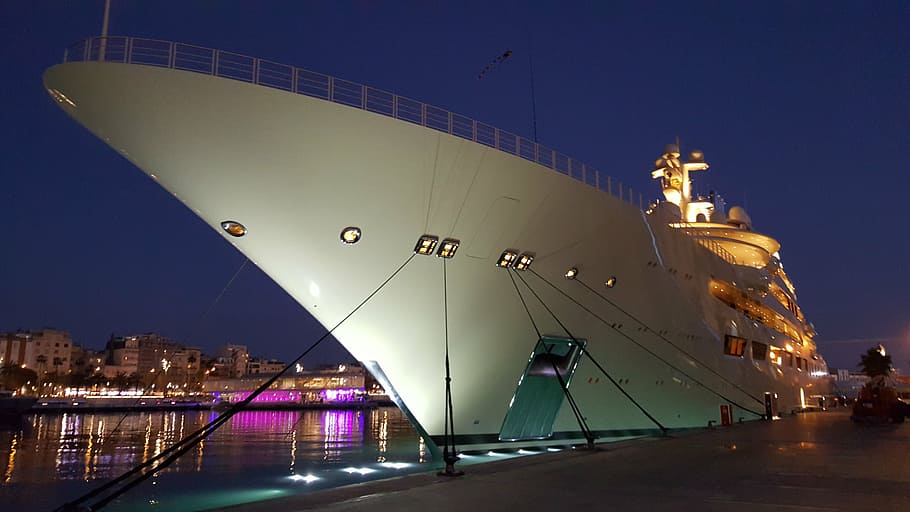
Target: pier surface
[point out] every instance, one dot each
(809, 462)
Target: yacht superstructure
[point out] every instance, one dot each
(569, 311)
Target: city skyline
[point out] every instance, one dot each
(801, 110)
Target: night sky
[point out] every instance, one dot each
(802, 110)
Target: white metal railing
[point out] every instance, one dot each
(187, 57)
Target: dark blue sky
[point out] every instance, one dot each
(802, 109)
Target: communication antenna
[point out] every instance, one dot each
(533, 95)
(493, 63)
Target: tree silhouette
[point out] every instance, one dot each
(874, 363)
(13, 376)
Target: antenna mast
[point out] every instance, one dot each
(107, 17)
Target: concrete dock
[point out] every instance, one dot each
(808, 462)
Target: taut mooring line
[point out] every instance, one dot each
(662, 337)
(576, 410)
(450, 458)
(175, 451)
(599, 367)
(198, 323)
(649, 351)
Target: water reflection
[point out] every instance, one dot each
(61, 456)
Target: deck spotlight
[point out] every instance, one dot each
(524, 261)
(572, 273)
(426, 245)
(610, 283)
(350, 235)
(233, 228)
(507, 258)
(448, 248)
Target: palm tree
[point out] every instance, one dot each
(874, 362)
(13, 376)
(120, 380)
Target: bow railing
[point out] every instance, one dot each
(187, 57)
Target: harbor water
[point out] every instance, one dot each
(48, 459)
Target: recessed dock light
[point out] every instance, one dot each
(572, 273)
(610, 283)
(524, 261)
(507, 258)
(350, 235)
(426, 244)
(448, 248)
(233, 228)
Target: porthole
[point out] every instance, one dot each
(233, 228)
(350, 235)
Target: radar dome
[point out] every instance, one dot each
(738, 217)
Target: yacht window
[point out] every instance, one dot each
(734, 346)
(759, 351)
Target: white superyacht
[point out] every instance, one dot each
(571, 311)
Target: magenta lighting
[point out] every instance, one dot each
(269, 396)
(343, 394)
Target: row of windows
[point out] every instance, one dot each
(56, 344)
(736, 346)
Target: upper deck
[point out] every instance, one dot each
(234, 66)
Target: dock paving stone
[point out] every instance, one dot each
(804, 463)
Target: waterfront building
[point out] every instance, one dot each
(87, 362)
(232, 361)
(46, 351)
(313, 385)
(122, 357)
(262, 366)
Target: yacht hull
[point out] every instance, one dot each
(296, 170)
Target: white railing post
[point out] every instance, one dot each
(255, 71)
(450, 123)
(128, 50)
(295, 80)
(423, 114)
(215, 62)
(331, 90)
(172, 54)
(363, 97)
(395, 106)
(496, 137)
(474, 130)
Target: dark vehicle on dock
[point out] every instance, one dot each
(880, 402)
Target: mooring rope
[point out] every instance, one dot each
(450, 458)
(646, 349)
(598, 365)
(192, 335)
(664, 338)
(173, 452)
(576, 410)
